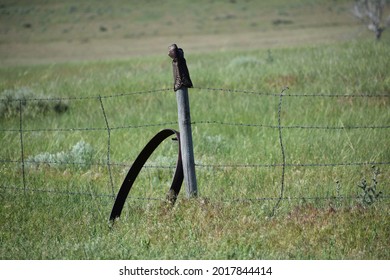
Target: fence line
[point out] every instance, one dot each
(292, 95)
(292, 126)
(134, 198)
(197, 123)
(88, 97)
(108, 163)
(200, 165)
(198, 88)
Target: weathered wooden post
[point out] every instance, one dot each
(182, 82)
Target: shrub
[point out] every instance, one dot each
(80, 155)
(12, 101)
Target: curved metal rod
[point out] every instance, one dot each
(137, 166)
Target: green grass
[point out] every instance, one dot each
(42, 228)
(63, 213)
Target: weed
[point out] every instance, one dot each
(337, 198)
(370, 193)
(270, 58)
(338, 188)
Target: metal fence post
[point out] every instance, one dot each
(182, 82)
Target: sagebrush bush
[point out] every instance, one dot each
(78, 156)
(31, 104)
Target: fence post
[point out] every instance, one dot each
(182, 82)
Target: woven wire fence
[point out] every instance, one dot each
(280, 166)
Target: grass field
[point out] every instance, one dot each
(42, 32)
(93, 54)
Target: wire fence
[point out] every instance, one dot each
(108, 163)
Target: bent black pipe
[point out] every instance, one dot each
(137, 166)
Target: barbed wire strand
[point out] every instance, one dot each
(135, 198)
(200, 122)
(201, 165)
(291, 95)
(91, 128)
(213, 122)
(24, 99)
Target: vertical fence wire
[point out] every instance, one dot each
(108, 146)
(282, 150)
(21, 143)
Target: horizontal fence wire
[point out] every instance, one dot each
(135, 198)
(292, 126)
(70, 98)
(210, 122)
(91, 128)
(108, 163)
(293, 95)
(170, 91)
(201, 165)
